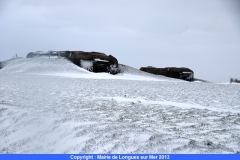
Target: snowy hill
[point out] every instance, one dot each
(65, 68)
(53, 106)
(41, 66)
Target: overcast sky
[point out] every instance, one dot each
(203, 35)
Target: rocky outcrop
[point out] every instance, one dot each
(173, 72)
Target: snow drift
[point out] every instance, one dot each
(65, 68)
(44, 113)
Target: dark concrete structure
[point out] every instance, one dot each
(173, 72)
(92, 61)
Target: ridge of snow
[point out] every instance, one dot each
(64, 68)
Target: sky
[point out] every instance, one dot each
(201, 35)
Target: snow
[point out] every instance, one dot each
(41, 66)
(97, 59)
(88, 65)
(55, 67)
(169, 103)
(53, 106)
(228, 83)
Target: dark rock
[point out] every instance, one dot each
(208, 143)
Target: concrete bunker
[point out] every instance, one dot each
(91, 61)
(173, 72)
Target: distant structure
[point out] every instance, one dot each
(232, 80)
(173, 72)
(91, 61)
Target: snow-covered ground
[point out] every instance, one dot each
(53, 106)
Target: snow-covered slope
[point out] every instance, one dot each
(42, 113)
(41, 66)
(65, 68)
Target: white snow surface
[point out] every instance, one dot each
(64, 68)
(86, 64)
(53, 106)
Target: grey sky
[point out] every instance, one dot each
(203, 35)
